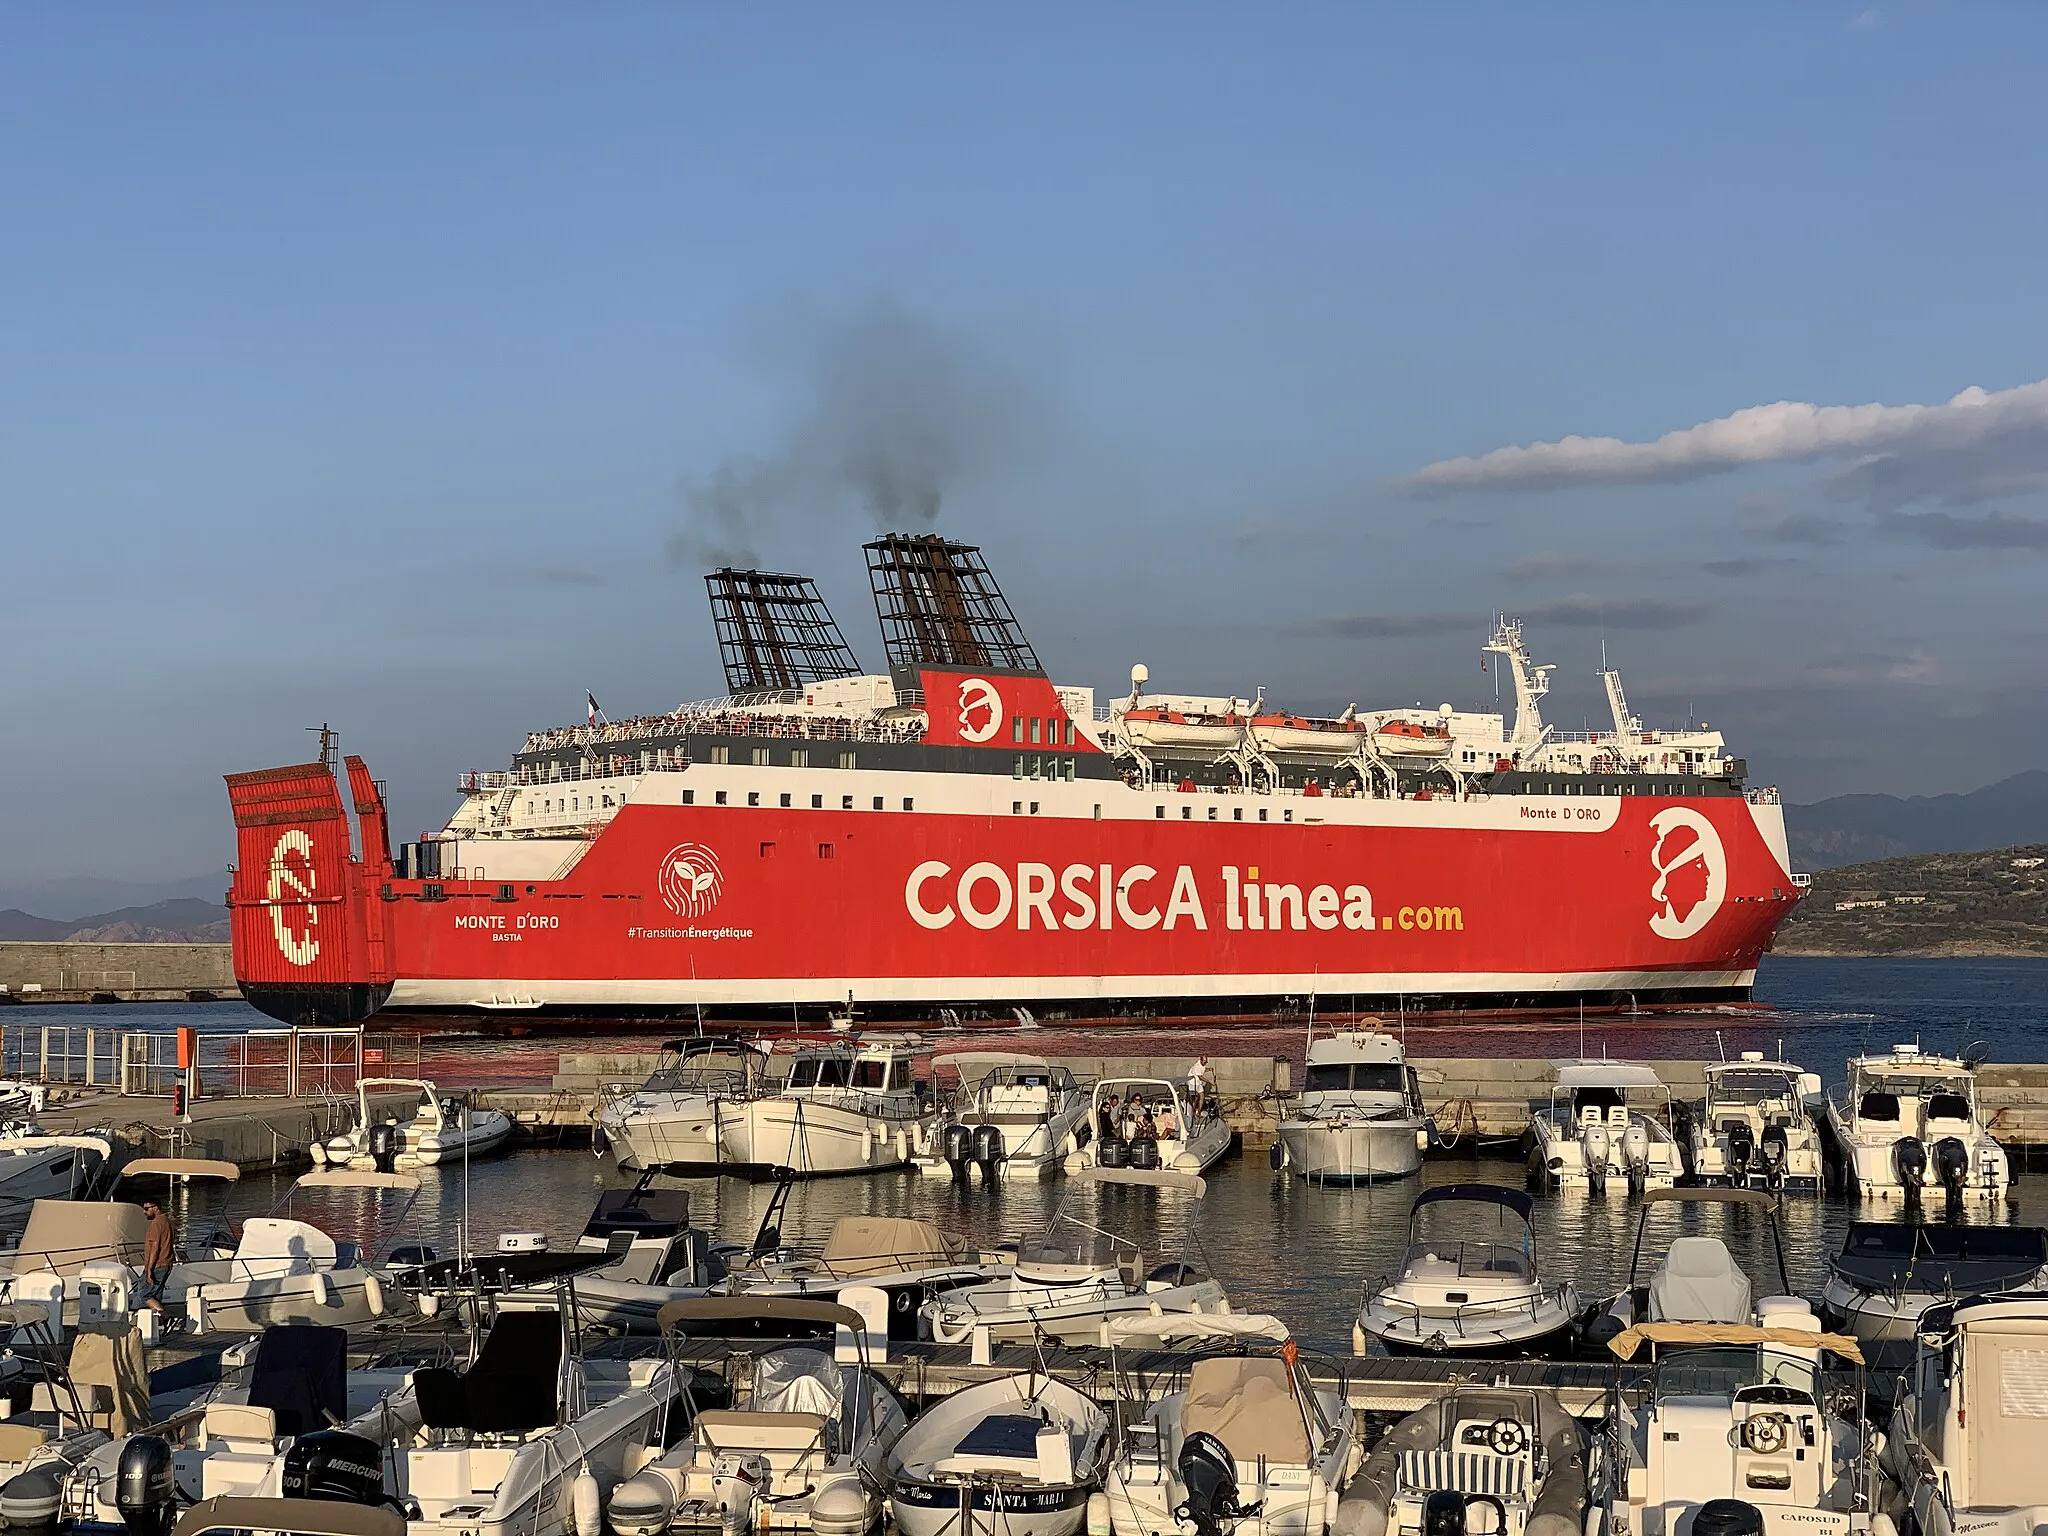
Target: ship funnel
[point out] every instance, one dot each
(775, 632)
(940, 607)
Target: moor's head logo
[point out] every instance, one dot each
(690, 882)
(1692, 873)
(981, 709)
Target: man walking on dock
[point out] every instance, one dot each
(159, 1253)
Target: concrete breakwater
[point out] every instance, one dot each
(130, 973)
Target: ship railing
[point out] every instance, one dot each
(725, 723)
(1762, 796)
(255, 1063)
(478, 779)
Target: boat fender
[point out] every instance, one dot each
(642, 1505)
(600, 1143)
(1100, 1522)
(323, 1288)
(1276, 1156)
(1358, 1339)
(373, 1294)
(587, 1500)
(430, 1304)
(840, 1508)
(318, 1152)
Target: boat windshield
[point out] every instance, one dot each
(819, 1072)
(698, 1074)
(1722, 1370)
(1357, 1077)
(1749, 1085)
(1472, 1261)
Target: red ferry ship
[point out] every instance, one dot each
(960, 836)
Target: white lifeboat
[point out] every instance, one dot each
(1151, 725)
(1305, 736)
(1412, 740)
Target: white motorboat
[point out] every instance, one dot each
(441, 1128)
(1469, 1286)
(35, 1165)
(656, 1257)
(802, 1446)
(1250, 1446)
(287, 1268)
(847, 1106)
(1053, 1291)
(1018, 1455)
(1753, 1127)
(1592, 1136)
(1144, 1123)
(672, 1120)
(1742, 1428)
(1890, 1274)
(909, 1261)
(1908, 1123)
(1965, 1449)
(1697, 1280)
(1016, 1117)
(1504, 1461)
(1361, 1117)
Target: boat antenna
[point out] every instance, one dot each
(1582, 1029)
(1720, 1045)
(465, 1183)
(696, 997)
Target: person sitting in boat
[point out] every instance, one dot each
(1163, 1126)
(1148, 1125)
(1108, 1125)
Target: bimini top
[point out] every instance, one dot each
(701, 1310)
(1515, 1200)
(713, 1045)
(1711, 1195)
(1605, 1074)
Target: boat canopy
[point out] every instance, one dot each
(1707, 1195)
(977, 1063)
(1606, 1074)
(358, 1178)
(1158, 1178)
(713, 1045)
(1249, 1403)
(885, 1245)
(743, 1309)
(61, 1235)
(1941, 1260)
(1515, 1200)
(1687, 1335)
(181, 1168)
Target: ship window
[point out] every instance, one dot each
(785, 802)
(760, 757)
(1017, 729)
(1098, 813)
(846, 802)
(1037, 725)
(824, 850)
(846, 759)
(1262, 813)
(1016, 807)
(721, 754)
(1159, 811)
(767, 850)
(753, 797)
(1034, 807)
(1017, 771)
(800, 757)
(1070, 733)
(907, 803)
(1212, 813)
(878, 802)
(1287, 815)
(720, 797)
(1237, 813)
(817, 802)
(689, 797)
(1187, 813)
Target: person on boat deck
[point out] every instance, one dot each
(1200, 1081)
(159, 1253)
(1148, 1127)
(1107, 1126)
(1163, 1121)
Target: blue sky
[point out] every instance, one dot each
(375, 365)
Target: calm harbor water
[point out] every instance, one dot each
(1277, 1244)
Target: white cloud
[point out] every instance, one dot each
(1789, 431)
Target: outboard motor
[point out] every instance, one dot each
(1952, 1172)
(736, 1481)
(988, 1150)
(381, 1142)
(1144, 1152)
(145, 1491)
(1909, 1162)
(1209, 1473)
(1112, 1153)
(1443, 1514)
(1741, 1151)
(1681, 1131)
(1635, 1156)
(957, 1141)
(1593, 1149)
(1728, 1517)
(332, 1464)
(1774, 1153)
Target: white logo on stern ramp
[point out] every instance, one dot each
(690, 882)
(292, 885)
(1692, 874)
(978, 693)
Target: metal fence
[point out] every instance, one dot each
(255, 1063)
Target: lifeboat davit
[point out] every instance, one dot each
(1303, 736)
(1412, 739)
(1157, 726)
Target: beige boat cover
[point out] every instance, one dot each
(1247, 1402)
(1629, 1340)
(1122, 1327)
(886, 1245)
(110, 1355)
(292, 1517)
(63, 1234)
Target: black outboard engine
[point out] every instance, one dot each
(1774, 1153)
(1728, 1517)
(1144, 1152)
(1209, 1473)
(1952, 1172)
(957, 1141)
(1741, 1151)
(382, 1145)
(145, 1491)
(1443, 1514)
(1681, 1132)
(1909, 1161)
(988, 1150)
(332, 1464)
(1112, 1153)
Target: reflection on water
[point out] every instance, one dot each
(1277, 1244)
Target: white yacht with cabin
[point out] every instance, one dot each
(846, 1106)
(1753, 1126)
(1015, 1117)
(672, 1120)
(1361, 1118)
(1908, 1123)
(1592, 1135)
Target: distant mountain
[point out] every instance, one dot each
(80, 898)
(1855, 829)
(183, 920)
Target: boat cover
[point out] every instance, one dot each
(290, 1517)
(1959, 1261)
(1606, 1074)
(301, 1375)
(885, 1245)
(1010, 1435)
(62, 1235)
(1685, 1335)
(797, 1381)
(110, 1355)
(1699, 1282)
(1166, 1326)
(1247, 1402)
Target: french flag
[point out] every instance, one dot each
(591, 699)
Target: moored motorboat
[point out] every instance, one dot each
(1515, 1454)
(1017, 1117)
(1907, 1124)
(1753, 1126)
(1361, 1118)
(657, 1258)
(846, 1106)
(1890, 1274)
(908, 1260)
(440, 1128)
(672, 1120)
(1469, 1286)
(1146, 1123)
(1697, 1280)
(1018, 1455)
(1591, 1136)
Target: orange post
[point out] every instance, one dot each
(188, 1061)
